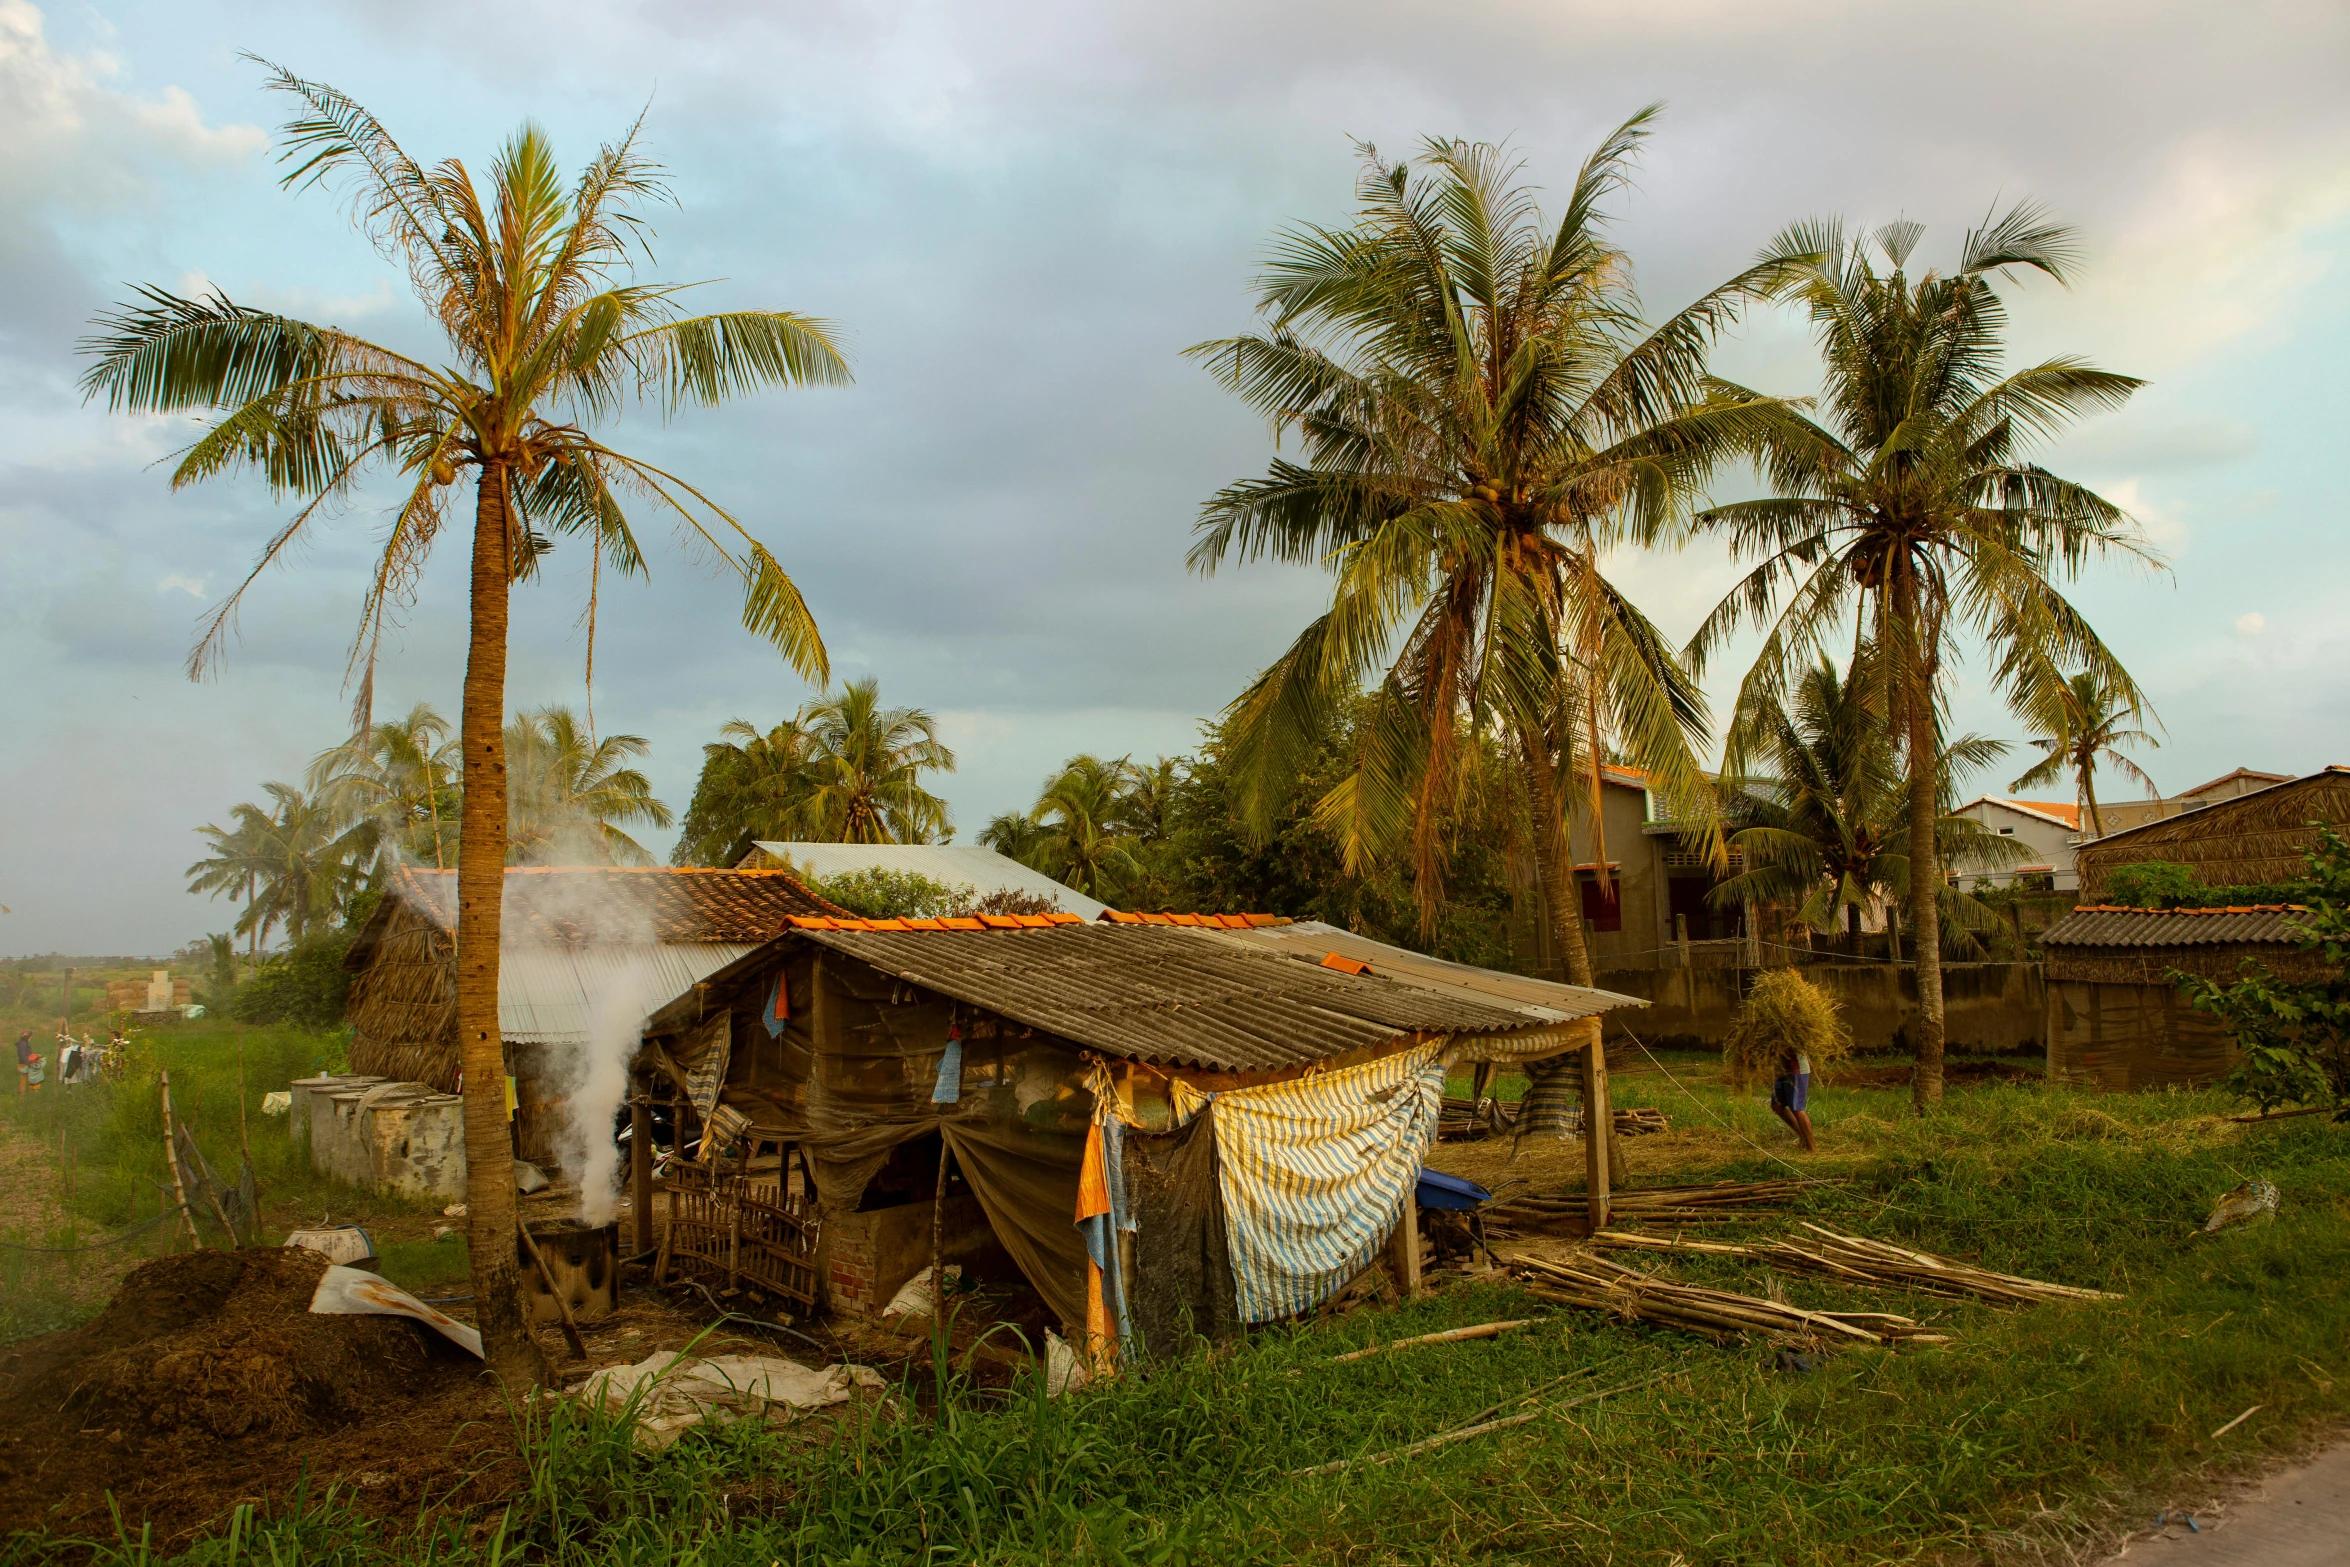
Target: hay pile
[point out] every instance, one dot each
(1784, 1015)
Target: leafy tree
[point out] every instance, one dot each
(1483, 417)
(1209, 860)
(880, 894)
(1016, 835)
(567, 796)
(547, 339)
(2295, 1038)
(1820, 812)
(1079, 831)
(2086, 726)
(1914, 509)
(2153, 884)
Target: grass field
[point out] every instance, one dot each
(2024, 1438)
(81, 1164)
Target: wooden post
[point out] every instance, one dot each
(1598, 1129)
(640, 1163)
(734, 1244)
(668, 1235)
(171, 1156)
(938, 1229)
(1681, 939)
(1405, 1248)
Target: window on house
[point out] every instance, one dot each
(1601, 906)
(2007, 832)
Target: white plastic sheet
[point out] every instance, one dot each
(675, 1393)
(347, 1292)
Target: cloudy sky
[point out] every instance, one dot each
(1019, 215)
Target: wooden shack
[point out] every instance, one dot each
(2115, 1016)
(2260, 838)
(571, 939)
(904, 1093)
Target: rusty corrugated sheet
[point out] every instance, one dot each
(1542, 1000)
(1175, 996)
(2110, 927)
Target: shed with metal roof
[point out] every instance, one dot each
(928, 1085)
(2116, 1017)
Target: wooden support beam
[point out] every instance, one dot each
(1405, 1248)
(1598, 1129)
(640, 1164)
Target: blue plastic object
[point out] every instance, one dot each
(1439, 1190)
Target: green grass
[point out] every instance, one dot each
(2027, 1428)
(113, 1133)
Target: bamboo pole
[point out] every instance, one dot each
(171, 1156)
(1448, 1336)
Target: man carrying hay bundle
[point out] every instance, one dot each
(1787, 1027)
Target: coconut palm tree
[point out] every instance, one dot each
(295, 863)
(568, 796)
(548, 337)
(1016, 835)
(1819, 810)
(1084, 821)
(865, 767)
(2085, 727)
(1483, 416)
(1914, 509)
(753, 786)
(400, 777)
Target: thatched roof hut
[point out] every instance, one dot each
(569, 935)
(2253, 839)
(2115, 1015)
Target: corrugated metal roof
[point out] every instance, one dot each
(1180, 996)
(624, 904)
(2106, 926)
(1541, 1000)
(552, 995)
(983, 870)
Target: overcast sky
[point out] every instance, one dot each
(1019, 215)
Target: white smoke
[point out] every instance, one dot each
(596, 1083)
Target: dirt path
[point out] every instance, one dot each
(2298, 1517)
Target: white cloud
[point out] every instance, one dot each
(175, 583)
(2252, 624)
(77, 141)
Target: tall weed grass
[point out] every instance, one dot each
(2021, 1433)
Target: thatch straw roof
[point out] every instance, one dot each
(2251, 839)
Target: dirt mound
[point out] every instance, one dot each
(204, 1364)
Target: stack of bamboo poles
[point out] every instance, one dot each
(1858, 1260)
(1600, 1285)
(1460, 1120)
(1721, 1201)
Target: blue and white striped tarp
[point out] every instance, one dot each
(1315, 1174)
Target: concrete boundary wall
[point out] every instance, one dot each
(1999, 1008)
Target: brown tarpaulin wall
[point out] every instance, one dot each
(1180, 1289)
(1026, 1182)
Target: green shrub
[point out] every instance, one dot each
(306, 986)
(895, 895)
(2164, 884)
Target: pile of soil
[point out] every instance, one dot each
(207, 1382)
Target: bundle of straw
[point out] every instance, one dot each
(1783, 1016)
(1596, 1284)
(1858, 1260)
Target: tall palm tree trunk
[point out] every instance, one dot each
(481, 871)
(1554, 863)
(1925, 861)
